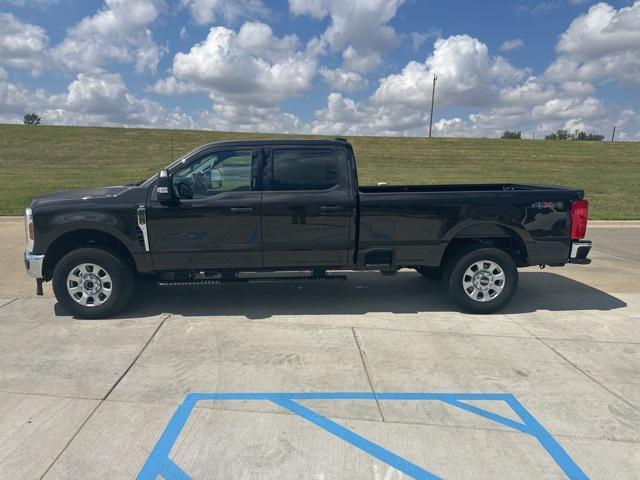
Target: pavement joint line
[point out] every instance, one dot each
(583, 372)
(86, 420)
(582, 340)
(53, 395)
(612, 392)
(487, 428)
(366, 371)
(386, 329)
(8, 303)
(205, 407)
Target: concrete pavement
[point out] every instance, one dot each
(91, 399)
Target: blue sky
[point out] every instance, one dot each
(343, 67)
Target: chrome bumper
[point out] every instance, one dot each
(33, 264)
(579, 251)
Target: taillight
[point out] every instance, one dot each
(579, 214)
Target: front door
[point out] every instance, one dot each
(307, 208)
(216, 221)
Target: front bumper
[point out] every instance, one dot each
(579, 251)
(33, 263)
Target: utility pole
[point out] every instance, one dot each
(433, 96)
(613, 135)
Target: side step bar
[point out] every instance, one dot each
(216, 281)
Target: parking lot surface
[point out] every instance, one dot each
(548, 388)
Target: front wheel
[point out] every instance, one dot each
(481, 280)
(92, 283)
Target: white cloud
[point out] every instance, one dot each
(467, 75)
(419, 38)
(344, 116)
(512, 44)
(240, 69)
(247, 74)
(16, 100)
(257, 39)
(99, 98)
(358, 28)
(569, 108)
(343, 80)
(207, 11)
(171, 86)
(102, 98)
(118, 33)
(251, 118)
(22, 45)
(604, 43)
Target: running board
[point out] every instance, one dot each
(215, 281)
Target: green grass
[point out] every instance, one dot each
(41, 159)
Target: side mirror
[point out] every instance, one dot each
(216, 179)
(163, 188)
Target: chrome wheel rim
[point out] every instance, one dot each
(89, 284)
(483, 281)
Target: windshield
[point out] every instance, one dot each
(151, 179)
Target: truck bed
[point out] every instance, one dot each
(418, 221)
(462, 187)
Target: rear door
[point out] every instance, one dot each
(216, 222)
(308, 207)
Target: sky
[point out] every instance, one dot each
(338, 67)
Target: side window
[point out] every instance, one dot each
(303, 169)
(213, 174)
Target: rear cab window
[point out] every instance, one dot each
(301, 169)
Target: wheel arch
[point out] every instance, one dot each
(488, 235)
(85, 237)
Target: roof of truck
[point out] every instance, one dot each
(289, 141)
(258, 143)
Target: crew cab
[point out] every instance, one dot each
(244, 211)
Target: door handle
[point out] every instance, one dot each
(242, 210)
(331, 208)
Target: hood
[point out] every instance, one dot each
(83, 195)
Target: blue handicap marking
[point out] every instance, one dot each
(159, 463)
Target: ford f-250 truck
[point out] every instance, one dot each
(246, 211)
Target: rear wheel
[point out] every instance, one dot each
(92, 283)
(481, 280)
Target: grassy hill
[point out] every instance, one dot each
(40, 159)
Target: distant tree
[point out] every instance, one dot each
(589, 137)
(512, 135)
(579, 135)
(559, 135)
(31, 119)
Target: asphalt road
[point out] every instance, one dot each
(549, 388)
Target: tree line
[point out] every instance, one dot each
(558, 135)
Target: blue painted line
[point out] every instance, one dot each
(357, 441)
(553, 448)
(489, 415)
(159, 463)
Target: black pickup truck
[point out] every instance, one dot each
(247, 211)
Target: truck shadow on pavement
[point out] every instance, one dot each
(364, 292)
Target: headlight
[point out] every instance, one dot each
(28, 229)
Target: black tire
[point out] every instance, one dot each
(121, 276)
(455, 273)
(430, 272)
